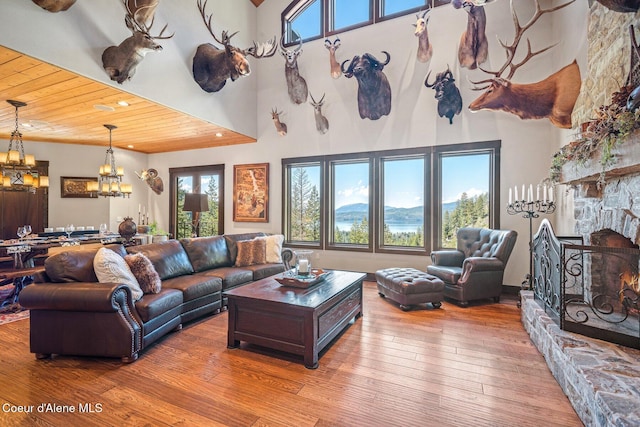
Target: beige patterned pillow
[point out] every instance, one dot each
(251, 252)
(145, 273)
(274, 248)
(112, 268)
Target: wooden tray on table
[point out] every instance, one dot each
(296, 281)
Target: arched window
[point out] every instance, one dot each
(313, 19)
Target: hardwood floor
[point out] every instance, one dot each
(425, 367)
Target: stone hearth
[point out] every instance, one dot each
(601, 380)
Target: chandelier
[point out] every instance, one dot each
(109, 182)
(16, 165)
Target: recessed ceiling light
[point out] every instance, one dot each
(103, 107)
(123, 103)
(129, 146)
(218, 134)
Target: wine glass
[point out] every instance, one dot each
(27, 230)
(70, 228)
(103, 229)
(21, 232)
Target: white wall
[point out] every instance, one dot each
(527, 146)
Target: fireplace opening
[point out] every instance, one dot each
(590, 289)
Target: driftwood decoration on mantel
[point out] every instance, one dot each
(552, 98)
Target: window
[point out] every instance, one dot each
(403, 201)
(312, 19)
(207, 180)
(303, 203)
(465, 198)
(350, 203)
(396, 201)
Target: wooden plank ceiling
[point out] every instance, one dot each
(61, 108)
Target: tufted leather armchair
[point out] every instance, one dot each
(476, 268)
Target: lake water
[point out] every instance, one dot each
(394, 227)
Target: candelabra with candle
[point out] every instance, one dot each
(530, 208)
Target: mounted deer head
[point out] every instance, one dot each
(281, 128)
(212, 66)
(425, 50)
(335, 65)
(553, 97)
(322, 124)
(473, 47)
(55, 5)
(120, 61)
(296, 84)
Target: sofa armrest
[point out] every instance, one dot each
(448, 257)
(77, 296)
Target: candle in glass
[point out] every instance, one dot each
(510, 197)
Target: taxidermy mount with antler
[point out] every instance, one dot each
(322, 124)
(447, 94)
(281, 127)
(553, 97)
(374, 91)
(296, 84)
(473, 47)
(425, 50)
(150, 176)
(120, 61)
(333, 63)
(212, 66)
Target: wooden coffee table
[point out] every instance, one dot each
(294, 320)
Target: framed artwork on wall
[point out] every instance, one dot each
(76, 187)
(251, 192)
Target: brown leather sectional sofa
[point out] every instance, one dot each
(73, 314)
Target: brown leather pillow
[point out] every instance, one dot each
(145, 273)
(251, 252)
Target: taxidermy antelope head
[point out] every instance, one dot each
(447, 94)
(212, 66)
(150, 176)
(55, 5)
(281, 128)
(374, 91)
(473, 48)
(296, 84)
(335, 65)
(553, 97)
(120, 61)
(425, 50)
(322, 124)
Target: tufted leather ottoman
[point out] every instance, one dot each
(408, 286)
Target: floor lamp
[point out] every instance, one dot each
(195, 203)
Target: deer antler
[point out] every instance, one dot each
(511, 48)
(263, 50)
(207, 21)
(132, 22)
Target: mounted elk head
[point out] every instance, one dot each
(150, 176)
(553, 97)
(447, 94)
(296, 84)
(55, 5)
(335, 65)
(624, 6)
(281, 128)
(120, 61)
(473, 47)
(322, 124)
(425, 50)
(212, 66)
(374, 91)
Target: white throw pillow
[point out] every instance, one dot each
(112, 268)
(274, 248)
